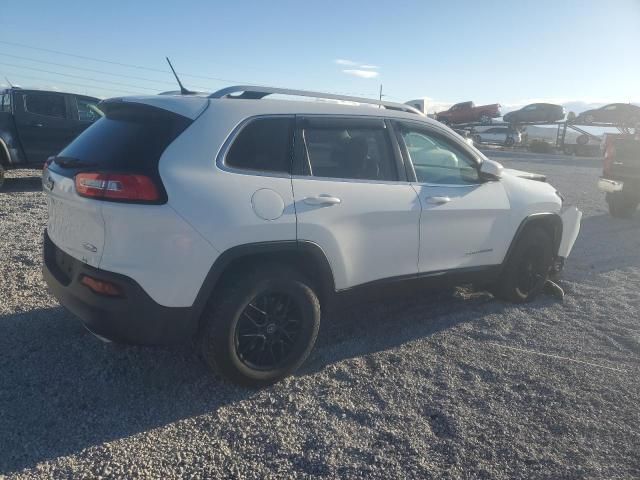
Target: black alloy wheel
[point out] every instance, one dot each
(532, 271)
(260, 325)
(267, 331)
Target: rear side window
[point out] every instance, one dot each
(349, 153)
(263, 145)
(48, 104)
(130, 137)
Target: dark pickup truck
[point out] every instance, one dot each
(36, 124)
(621, 173)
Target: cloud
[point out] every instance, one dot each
(346, 63)
(361, 73)
(357, 69)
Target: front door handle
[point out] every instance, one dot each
(438, 200)
(36, 124)
(323, 199)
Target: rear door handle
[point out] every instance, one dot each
(438, 200)
(323, 199)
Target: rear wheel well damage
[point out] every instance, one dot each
(307, 258)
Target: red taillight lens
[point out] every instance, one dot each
(115, 186)
(101, 287)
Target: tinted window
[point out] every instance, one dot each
(48, 104)
(130, 137)
(263, 145)
(355, 153)
(437, 160)
(88, 110)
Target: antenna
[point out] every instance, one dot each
(11, 86)
(183, 90)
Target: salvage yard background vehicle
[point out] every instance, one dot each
(507, 136)
(36, 124)
(625, 114)
(234, 220)
(468, 112)
(536, 112)
(621, 174)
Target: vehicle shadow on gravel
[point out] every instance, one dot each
(379, 320)
(21, 184)
(62, 390)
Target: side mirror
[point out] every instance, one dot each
(491, 170)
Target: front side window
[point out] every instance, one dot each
(263, 145)
(88, 110)
(437, 160)
(349, 152)
(49, 104)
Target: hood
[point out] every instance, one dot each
(522, 174)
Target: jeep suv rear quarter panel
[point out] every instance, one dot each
(223, 204)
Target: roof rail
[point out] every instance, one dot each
(251, 92)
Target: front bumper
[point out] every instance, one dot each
(571, 218)
(609, 186)
(133, 317)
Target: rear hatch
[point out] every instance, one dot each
(126, 143)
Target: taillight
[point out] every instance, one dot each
(117, 186)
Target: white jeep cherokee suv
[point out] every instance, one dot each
(231, 220)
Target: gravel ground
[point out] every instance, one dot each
(445, 384)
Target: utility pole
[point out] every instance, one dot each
(381, 92)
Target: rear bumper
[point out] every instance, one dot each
(133, 317)
(609, 186)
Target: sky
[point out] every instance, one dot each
(577, 53)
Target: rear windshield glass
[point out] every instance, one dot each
(129, 137)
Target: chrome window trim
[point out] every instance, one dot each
(233, 135)
(350, 180)
(464, 146)
(390, 139)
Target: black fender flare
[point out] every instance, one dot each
(552, 218)
(264, 250)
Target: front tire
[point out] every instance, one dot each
(509, 142)
(485, 119)
(527, 270)
(261, 327)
